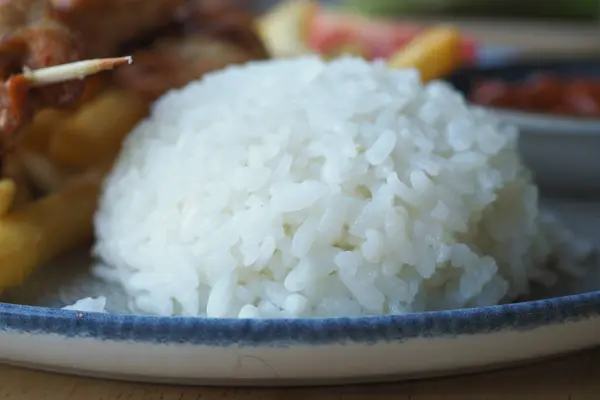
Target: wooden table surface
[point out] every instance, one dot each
(576, 377)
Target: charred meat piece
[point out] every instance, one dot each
(204, 35)
(30, 37)
(209, 35)
(224, 20)
(105, 25)
(42, 33)
(174, 62)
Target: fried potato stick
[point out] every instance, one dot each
(13, 169)
(8, 191)
(36, 135)
(435, 53)
(45, 176)
(95, 132)
(35, 233)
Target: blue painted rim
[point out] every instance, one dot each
(298, 332)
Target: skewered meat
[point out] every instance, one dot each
(105, 25)
(19, 103)
(30, 37)
(42, 33)
(174, 62)
(212, 35)
(223, 20)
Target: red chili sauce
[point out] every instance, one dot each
(545, 93)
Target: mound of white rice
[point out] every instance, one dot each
(302, 188)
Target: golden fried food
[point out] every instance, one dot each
(36, 135)
(435, 53)
(18, 103)
(39, 231)
(187, 39)
(7, 195)
(95, 132)
(12, 169)
(284, 28)
(42, 33)
(30, 36)
(44, 175)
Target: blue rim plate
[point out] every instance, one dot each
(295, 352)
(284, 332)
(203, 350)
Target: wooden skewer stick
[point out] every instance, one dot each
(71, 71)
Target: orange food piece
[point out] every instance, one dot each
(435, 53)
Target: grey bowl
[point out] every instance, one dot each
(563, 153)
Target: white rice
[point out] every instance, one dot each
(89, 304)
(301, 188)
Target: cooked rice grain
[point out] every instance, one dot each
(304, 188)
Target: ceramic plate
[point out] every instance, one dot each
(562, 152)
(298, 352)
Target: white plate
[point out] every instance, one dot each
(303, 351)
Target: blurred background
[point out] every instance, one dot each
(535, 63)
(556, 9)
(503, 28)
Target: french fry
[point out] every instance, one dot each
(12, 168)
(7, 195)
(41, 230)
(37, 133)
(36, 136)
(284, 28)
(95, 132)
(42, 173)
(435, 53)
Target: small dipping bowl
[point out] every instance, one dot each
(563, 152)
